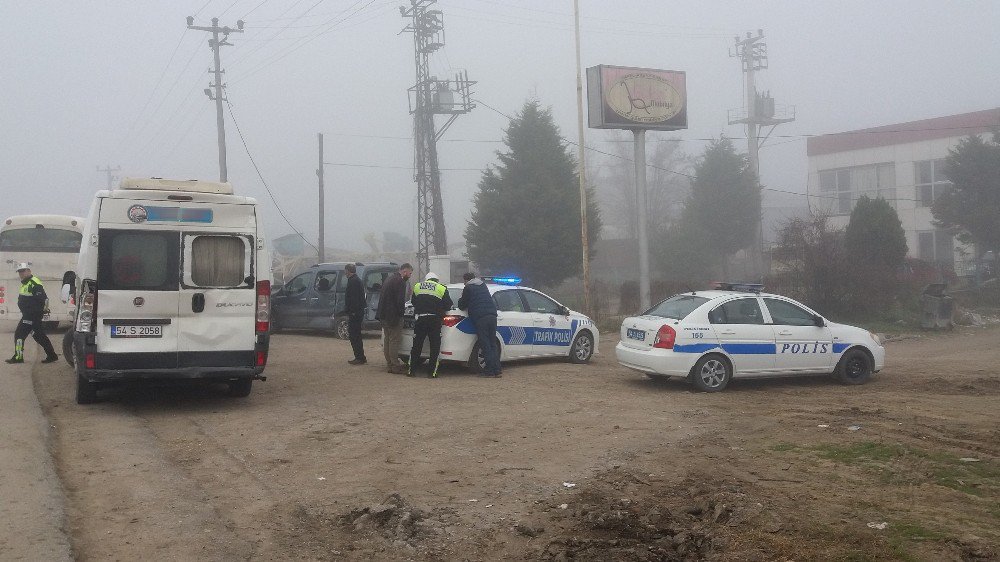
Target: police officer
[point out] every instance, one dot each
(32, 302)
(430, 302)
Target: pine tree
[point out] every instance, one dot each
(972, 208)
(526, 213)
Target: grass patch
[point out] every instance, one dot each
(895, 463)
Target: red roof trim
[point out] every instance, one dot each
(901, 133)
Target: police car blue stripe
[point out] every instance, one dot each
(731, 348)
(840, 347)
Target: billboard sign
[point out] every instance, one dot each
(620, 97)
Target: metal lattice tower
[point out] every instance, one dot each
(429, 97)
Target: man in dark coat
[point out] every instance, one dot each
(391, 305)
(32, 301)
(476, 298)
(355, 305)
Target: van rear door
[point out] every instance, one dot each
(217, 299)
(137, 303)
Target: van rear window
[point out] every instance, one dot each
(137, 260)
(40, 240)
(219, 261)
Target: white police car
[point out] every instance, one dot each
(711, 337)
(529, 324)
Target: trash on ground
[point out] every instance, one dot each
(569, 485)
(880, 525)
(854, 428)
(968, 459)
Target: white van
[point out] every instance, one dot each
(173, 282)
(50, 244)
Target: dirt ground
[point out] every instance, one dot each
(553, 461)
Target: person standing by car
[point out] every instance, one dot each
(391, 305)
(355, 304)
(477, 300)
(31, 300)
(430, 302)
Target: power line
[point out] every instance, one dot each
(261, 176)
(229, 8)
(260, 46)
(252, 10)
(202, 8)
(410, 168)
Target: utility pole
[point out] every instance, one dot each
(760, 111)
(109, 170)
(429, 97)
(218, 97)
(322, 225)
(584, 238)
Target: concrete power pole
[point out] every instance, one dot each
(217, 96)
(110, 171)
(582, 172)
(322, 225)
(760, 112)
(430, 97)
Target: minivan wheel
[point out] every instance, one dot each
(341, 329)
(240, 388)
(86, 391)
(67, 346)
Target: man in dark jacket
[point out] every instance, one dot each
(391, 305)
(31, 300)
(476, 298)
(430, 302)
(355, 305)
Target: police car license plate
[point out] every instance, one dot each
(636, 334)
(137, 331)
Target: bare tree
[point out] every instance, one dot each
(614, 180)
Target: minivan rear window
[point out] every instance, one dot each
(219, 261)
(677, 307)
(137, 260)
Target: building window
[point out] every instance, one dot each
(936, 246)
(931, 181)
(841, 189)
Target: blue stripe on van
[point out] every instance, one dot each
(178, 214)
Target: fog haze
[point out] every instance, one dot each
(117, 83)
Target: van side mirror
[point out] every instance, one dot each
(818, 320)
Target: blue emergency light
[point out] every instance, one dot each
(503, 280)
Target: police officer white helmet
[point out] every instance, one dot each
(431, 276)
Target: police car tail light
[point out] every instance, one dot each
(665, 337)
(87, 318)
(263, 306)
(451, 320)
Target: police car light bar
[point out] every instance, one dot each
(742, 287)
(503, 280)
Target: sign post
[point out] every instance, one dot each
(638, 99)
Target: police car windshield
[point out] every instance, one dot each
(676, 307)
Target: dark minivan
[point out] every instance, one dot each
(314, 299)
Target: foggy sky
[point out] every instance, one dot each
(87, 84)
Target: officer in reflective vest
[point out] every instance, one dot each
(32, 302)
(430, 303)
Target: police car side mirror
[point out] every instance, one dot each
(818, 320)
(564, 310)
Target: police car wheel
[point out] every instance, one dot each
(477, 361)
(711, 373)
(582, 349)
(855, 367)
(341, 329)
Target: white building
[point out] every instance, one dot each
(901, 163)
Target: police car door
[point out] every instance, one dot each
(553, 332)
(218, 293)
(801, 345)
(514, 324)
(739, 325)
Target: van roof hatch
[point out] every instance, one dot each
(160, 184)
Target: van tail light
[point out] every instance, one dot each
(86, 320)
(452, 320)
(261, 358)
(263, 306)
(90, 361)
(665, 337)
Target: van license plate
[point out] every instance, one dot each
(636, 334)
(137, 331)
